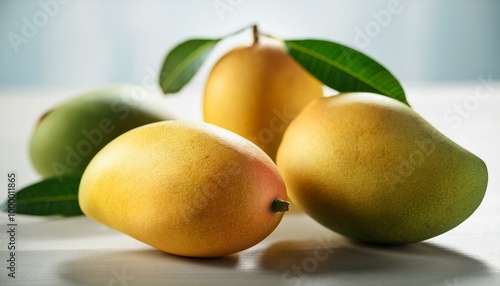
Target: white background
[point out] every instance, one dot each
(96, 42)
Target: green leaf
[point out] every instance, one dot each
(344, 69)
(53, 196)
(183, 62)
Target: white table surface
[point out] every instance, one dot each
(78, 251)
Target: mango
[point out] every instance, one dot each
(186, 188)
(67, 137)
(370, 168)
(256, 91)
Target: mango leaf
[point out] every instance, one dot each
(53, 196)
(344, 69)
(183, 62)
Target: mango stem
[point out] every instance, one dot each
(279, 206)
(255, 35)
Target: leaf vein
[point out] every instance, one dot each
(192, 57)
(325, 59)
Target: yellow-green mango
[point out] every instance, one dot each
(370, 168)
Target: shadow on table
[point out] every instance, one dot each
(140, 267)
(340, 260)
(324, 261)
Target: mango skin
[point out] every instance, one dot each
(256, 91)
(186, 188)
(370, 168)
(67, 137)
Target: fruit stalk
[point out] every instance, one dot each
(255, 35)
(279, 206)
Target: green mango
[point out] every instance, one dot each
(67, 137)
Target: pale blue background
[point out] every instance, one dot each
(97, 42)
